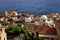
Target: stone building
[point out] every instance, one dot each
(3, 35)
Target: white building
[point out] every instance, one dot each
(44, 20)
(28, 19)
(36, 23)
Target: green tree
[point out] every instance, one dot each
(25, 32)
(12, 30)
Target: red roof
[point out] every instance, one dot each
(43, 30)
(47, 31)
(57, 22)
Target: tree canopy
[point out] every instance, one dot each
(12, 30)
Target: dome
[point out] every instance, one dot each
(43, 17)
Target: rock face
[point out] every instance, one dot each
(19, 37)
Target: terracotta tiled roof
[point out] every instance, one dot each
(43, 30)
(47, 31)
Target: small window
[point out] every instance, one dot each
(43, 23)
(48, 20)
(52, 25)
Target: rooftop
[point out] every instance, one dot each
(47, 31)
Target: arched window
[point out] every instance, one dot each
(44, 20)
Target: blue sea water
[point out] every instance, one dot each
(30, 6)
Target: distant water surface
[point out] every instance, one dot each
(30, 6)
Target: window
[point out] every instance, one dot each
(43, 23)
(44, 20)
(52, 25)
(48, 19)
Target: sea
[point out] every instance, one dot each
(30, 6)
